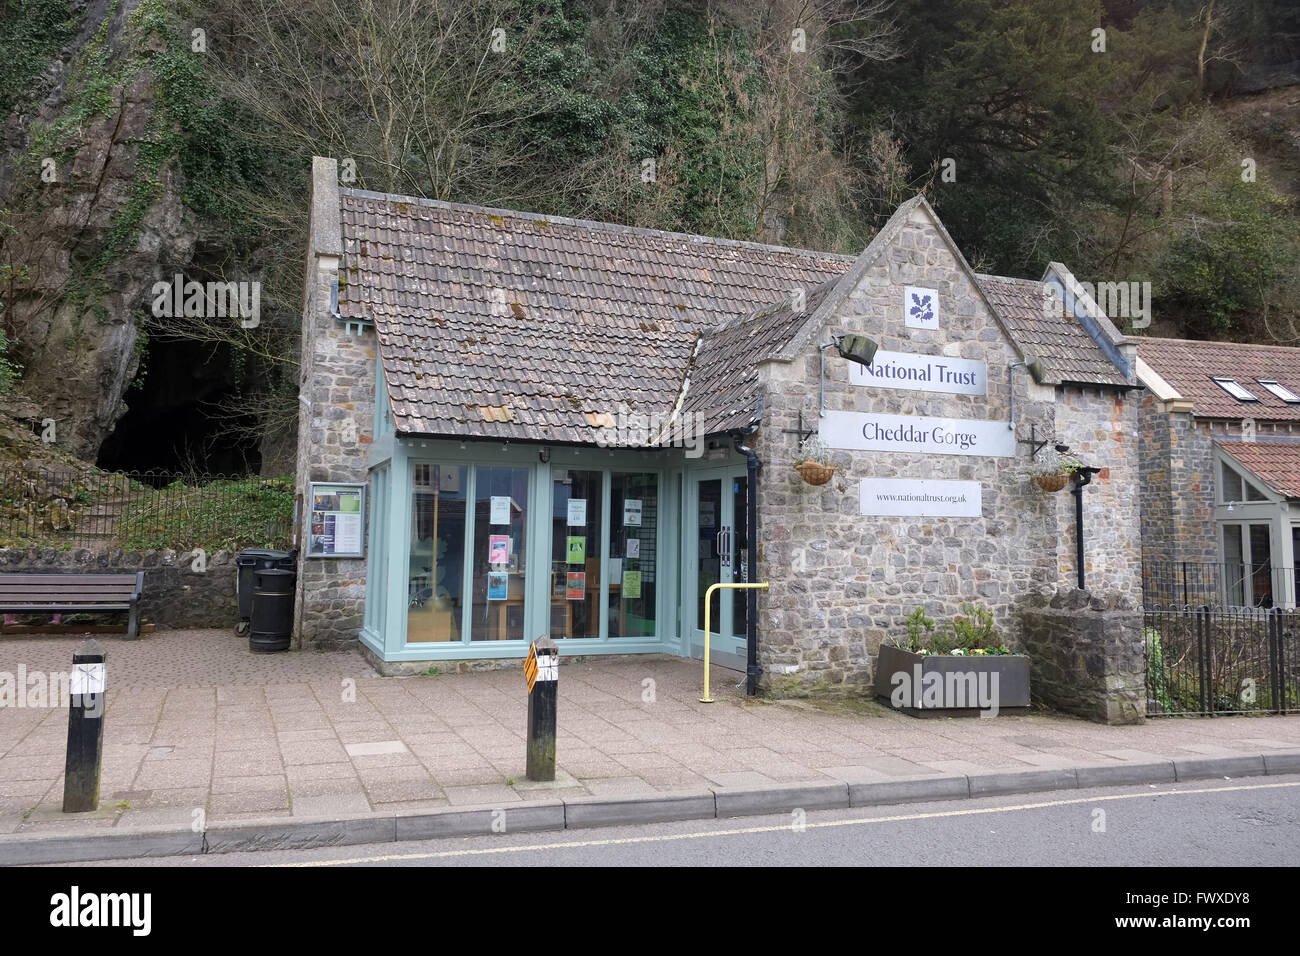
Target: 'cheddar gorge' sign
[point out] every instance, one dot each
(922, 373)
(866, 431)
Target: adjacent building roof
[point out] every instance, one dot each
(1191, 367)
(1274, 463)
(508, 325)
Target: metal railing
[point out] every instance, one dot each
(141, 511)
(1221, 660)
(1222, 584)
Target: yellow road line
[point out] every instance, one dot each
(664, 838)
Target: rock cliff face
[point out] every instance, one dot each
(92, 230)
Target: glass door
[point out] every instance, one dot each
(717, 553)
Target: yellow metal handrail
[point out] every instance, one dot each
(708, 607)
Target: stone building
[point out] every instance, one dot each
(1220, 472)
(515, 425)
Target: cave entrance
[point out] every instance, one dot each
(181, 415)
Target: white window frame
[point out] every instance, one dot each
(1275, 511)
(1279, 390)
(1234, 388)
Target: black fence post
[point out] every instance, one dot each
(1274, 631)
(85, 729)
(1202, 622)
(1281, 660)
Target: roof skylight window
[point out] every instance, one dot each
(1280, 390)
(1231, 386)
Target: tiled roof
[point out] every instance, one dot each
(723, 387)
(507, 325)
(1188, 366)
(1067, 351)
(1275, 463)
(501, 324)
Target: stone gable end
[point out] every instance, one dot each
(843, 581)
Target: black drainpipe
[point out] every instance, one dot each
(751, 539)
(1081, 477)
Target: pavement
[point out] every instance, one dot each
(209, 747)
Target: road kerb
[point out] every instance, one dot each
(1126, 773)
(579, 812)
(582, 812)
(481, 820)
(782, 799)
(1282, 763)
(1198, 768)
(909, 790)
(1021, 781)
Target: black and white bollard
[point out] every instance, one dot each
(542, 669)
(85, 729)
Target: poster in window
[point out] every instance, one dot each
(337, 520)
(498, 585)
(634, 547)
(632, 512)
(577, 586)
(577, 512)
(631, 584)
(499, 549)
(577, 549)
(500, 510)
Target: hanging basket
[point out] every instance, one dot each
(814, 473)
(1053, 482)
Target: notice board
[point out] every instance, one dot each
(336, 523)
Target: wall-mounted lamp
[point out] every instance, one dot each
(544, 454)
(856, 348)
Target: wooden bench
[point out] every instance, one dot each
(63, 593)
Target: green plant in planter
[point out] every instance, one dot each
(919, 630)
(973, 628)
(1052, 471)
(972, 631)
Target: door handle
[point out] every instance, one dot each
(724, 550)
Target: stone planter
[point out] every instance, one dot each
(1054, 482)
(941, 685)
(814, 473)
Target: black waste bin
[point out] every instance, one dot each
(247, 562)
(272, 622)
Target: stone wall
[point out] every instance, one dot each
(1086, 653)
(1177, 487)
(335, 424)
(1103, 430)
(840, 581)
(175, 595)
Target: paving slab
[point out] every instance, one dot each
(197, 723)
